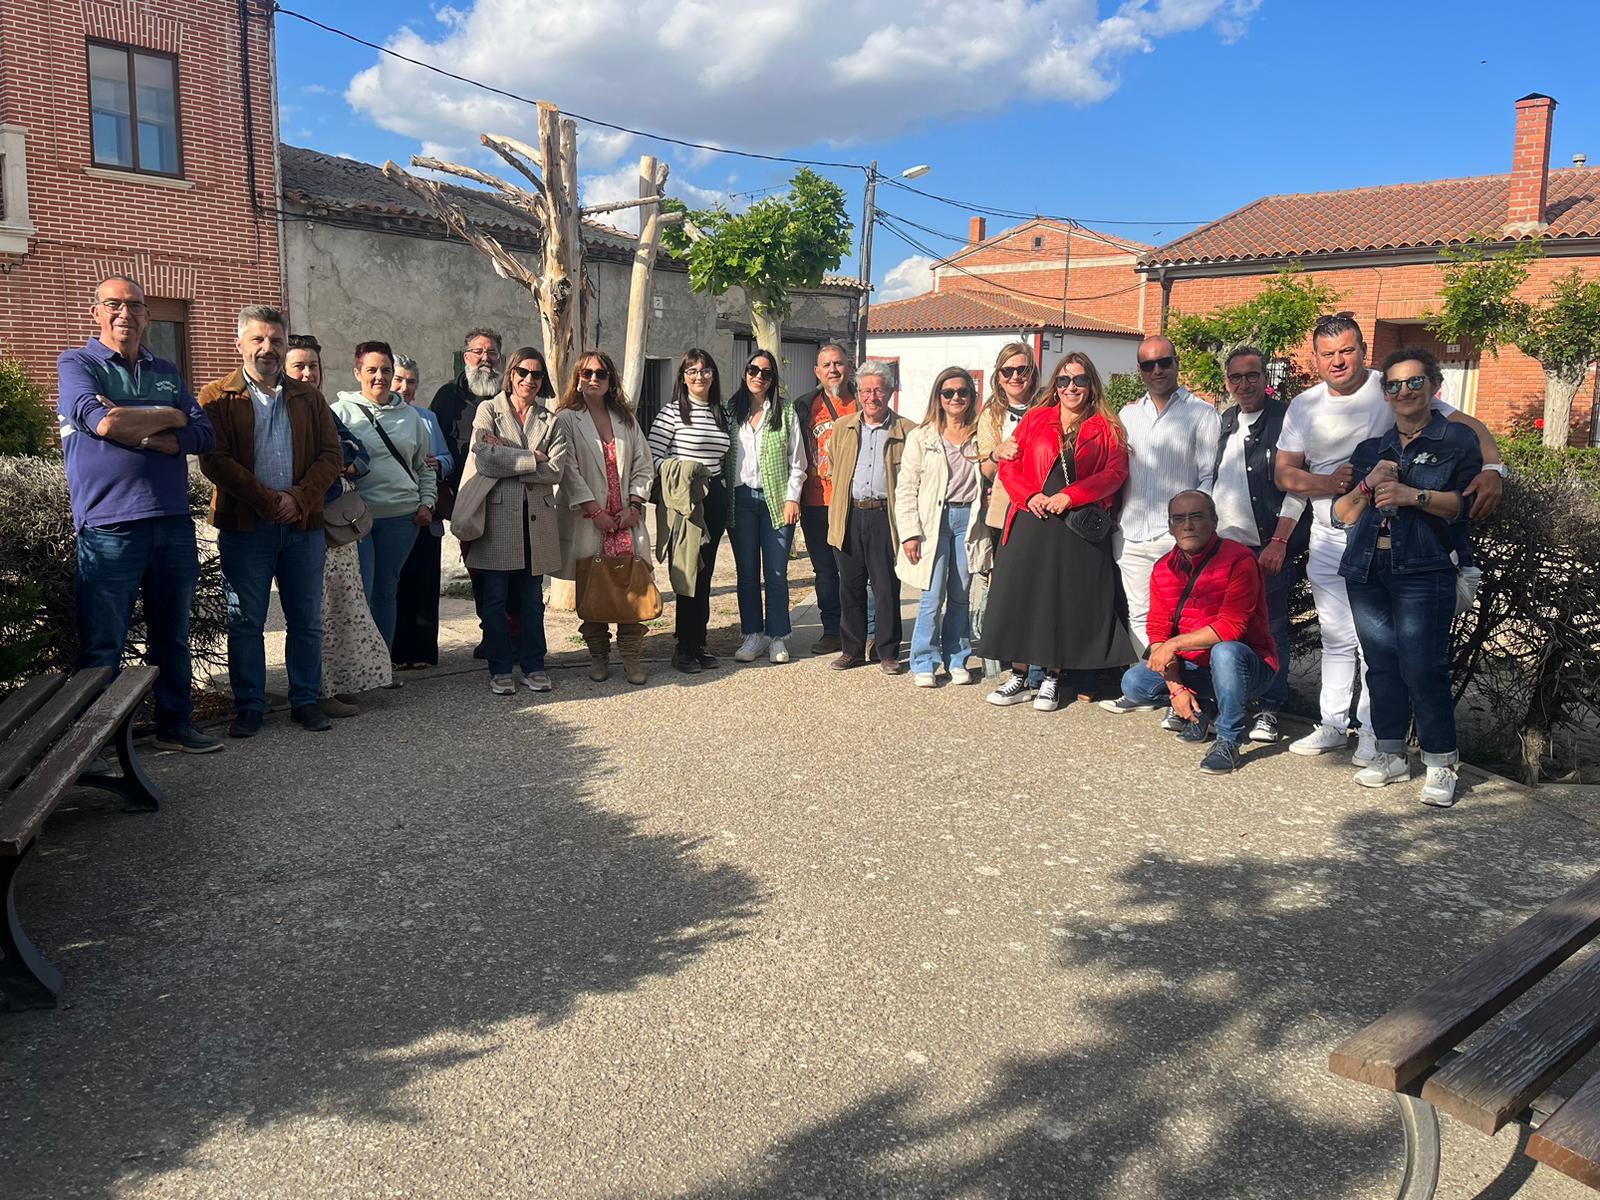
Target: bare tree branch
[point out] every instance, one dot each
(594, 209)
(509, 149)
(432, 194)
(518, 197)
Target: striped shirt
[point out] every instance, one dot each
(701, 440)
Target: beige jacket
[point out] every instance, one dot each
(843, 449)
(585, 479)
(919, 500)
(518, 476)
(989, 440)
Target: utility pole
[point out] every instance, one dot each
(866, 261)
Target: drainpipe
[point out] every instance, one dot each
(1166, 296)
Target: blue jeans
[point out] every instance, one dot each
(1235, 677)
(383, 556)
(115, 562)
(493, 589)
(761, 555)
(250, 562)
(949, 587)
(1277, 693)
(814, 524)
(1403, 623)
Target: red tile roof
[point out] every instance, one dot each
(962, 311)
(1439, 213)
(1078, 233)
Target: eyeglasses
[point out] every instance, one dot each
(480, 354)
(1415, 384)
(1015, 372)
(1238, 377)
(754, 372)
(527, 372)
(955, 393)
(1063, 382)
(1156, 364)
(594, 374)
(699, 372)
(1179, 520)
(116, 306)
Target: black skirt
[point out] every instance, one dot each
(1055, 600)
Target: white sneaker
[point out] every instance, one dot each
(503, 685)
(1014, 690)
(1384, 769)
(924, 679)
(1320, 740)
(778, 652)
(961, 675)
(1049, 697)
(1366, 748)
(1265, 729)
(754, 646)
(1440, 788)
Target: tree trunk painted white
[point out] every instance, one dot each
(767, 325)
(1560, 389)
(652, 179)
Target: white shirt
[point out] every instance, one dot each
(1170, 451)
(747, 466)
(1327, 428)
(1236, 518)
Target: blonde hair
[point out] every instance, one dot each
(1100, 403)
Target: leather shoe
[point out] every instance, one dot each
(311, 717)
(336, 707)
(892, 666)
(246, 724)
(845, 661)
(706, 661)
(828, 643)
(687, 663)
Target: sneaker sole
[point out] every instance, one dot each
(1010, 701)
(1037, 707)
(182, 749)
(1312, 751)
(1439, 802)
(1367, 783)
(1111, 706)
(1264, 741)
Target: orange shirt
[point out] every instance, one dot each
(818, 431)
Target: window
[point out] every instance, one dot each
(1038, 242)
(133, 109)
(168, 332)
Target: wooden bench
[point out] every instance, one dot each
(1515, 1073)
(52, 729)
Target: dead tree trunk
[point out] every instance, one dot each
(652, 184)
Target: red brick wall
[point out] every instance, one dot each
(203, 245)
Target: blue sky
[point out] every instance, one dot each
(1140, 119)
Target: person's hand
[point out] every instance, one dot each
(1038, 504)
(489, 439)
(1272, 558)
(1382, 472)
(1184, 704)
(605, 522)
(1008, 450)
(1161, 656)
(1393, 494)
(1485, 489)
(1058, 504)
(350, 471)
(163, 443)
(433, 461)
(286, 511)
(424, 516)
(791, 512)
(913, 549)
(1342, 480)
(630, 518)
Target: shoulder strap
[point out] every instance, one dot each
(392, 451)
(828, 400)
(1199, 567)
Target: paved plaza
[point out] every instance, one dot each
(763, 932)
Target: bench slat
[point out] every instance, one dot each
(22, 703)
(1569, 1140)
(1490, 1084)
(1397, 1047)
(47, 724)
(26, 808)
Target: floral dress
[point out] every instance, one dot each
(619, 542)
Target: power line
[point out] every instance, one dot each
(1015, 215)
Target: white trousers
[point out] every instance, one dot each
(1136, 561)
(1341, 651)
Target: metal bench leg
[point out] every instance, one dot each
(138, 791)
(27, 979)
(1421, 1123)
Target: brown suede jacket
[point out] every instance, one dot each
(240, 500)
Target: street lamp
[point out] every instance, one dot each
(865, 256)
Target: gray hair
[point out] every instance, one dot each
(843, 353)
(404, 362)
(481, 331)
(264, 313)
(127, 279)
(875, 366)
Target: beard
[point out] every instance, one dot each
(482, 382)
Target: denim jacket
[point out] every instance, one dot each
(1442, 458)
(355, 454)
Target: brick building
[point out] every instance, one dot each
(1379, 248)
(136, 138)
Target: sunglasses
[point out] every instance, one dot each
(1063, 382)
(594, 374)
(1415, 384)
(1337, 318)
(762, 373)
(1156, 364)
(1015, 372)
(527, 372)
(1238, 377)
(1178, 520)
(955, 393)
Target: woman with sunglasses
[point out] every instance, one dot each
(605, 485)
(937, 505)
(1013, 390)
(693, 427)
(517, 443)
(769, 457)
(1407, 528)
(1054, 598)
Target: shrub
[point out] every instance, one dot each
(1123, 390)
(25, 424)
(38, 557)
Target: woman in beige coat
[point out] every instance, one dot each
(938, 510)
(517, 443)
(1013, 390)
(603, 494)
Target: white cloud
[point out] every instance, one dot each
(910, 277)
(763, 74)
(316, 89)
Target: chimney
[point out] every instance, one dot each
(1530, 166)
(977, 229)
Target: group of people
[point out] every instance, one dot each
(1051, 537)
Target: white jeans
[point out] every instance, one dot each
(1341, 651)
(1136, 561)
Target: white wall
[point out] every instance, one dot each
(923, 355)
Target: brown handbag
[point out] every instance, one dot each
(346, 519)
(617, 590)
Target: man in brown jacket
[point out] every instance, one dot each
(866, 449)
(276, 454)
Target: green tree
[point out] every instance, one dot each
(25, 422)
(1276, 320)
(774, 246)
(1561, 332)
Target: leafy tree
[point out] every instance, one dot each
(25, 423)
(1123, 389)
(1276, 320)
(1561, 332)
(774, 246)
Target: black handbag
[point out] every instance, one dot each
(1091, 522)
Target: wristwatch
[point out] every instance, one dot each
(1499, 469)
(1422, 499)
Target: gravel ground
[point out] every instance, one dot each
(762, 932)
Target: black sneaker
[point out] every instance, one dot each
(1199, 730)
(1265, 730)
(311, 718)
(687, 663)
(190, 740)
(705, 659)
(1123, 705)
(246, 724)
(1221, 759)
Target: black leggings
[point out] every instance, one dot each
(694, 612)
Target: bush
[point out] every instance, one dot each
(1123, 390)
(38, 557)
(25, 423)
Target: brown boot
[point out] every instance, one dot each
(598, 639)
(630, 640)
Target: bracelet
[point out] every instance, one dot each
(1280, 540)
(1173, 688)
(1366, 490)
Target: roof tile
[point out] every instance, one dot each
(961, 310)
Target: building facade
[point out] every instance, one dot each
(136, 138)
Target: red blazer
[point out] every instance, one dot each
(1100, 463)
